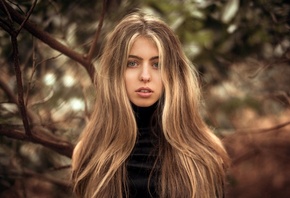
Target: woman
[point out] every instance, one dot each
(146, 137)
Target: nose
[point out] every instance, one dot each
(145, 74)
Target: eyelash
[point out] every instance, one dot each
(156, 65)
(130, 62)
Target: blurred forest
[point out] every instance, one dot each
(48, 50)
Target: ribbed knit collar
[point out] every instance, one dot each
(144, 115)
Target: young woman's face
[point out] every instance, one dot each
(142, 77)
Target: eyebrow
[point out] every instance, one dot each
(139, 58)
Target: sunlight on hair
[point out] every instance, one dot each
(77, 104)
(49, 79)
(68, 81)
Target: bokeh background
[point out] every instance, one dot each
(240, 48)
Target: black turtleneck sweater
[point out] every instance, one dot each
(142, 158)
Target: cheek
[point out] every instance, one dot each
(161, 87)
(126, 83)
(159, 81)
(129, 76)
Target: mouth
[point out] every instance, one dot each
(144, 90)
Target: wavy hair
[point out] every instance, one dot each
(191, 159)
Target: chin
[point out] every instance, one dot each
(143, 104)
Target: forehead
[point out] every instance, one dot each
(143, 44)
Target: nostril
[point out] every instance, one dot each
(145, 78)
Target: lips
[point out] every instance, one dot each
(144, 92)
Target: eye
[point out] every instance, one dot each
(132, 63)
(155, 65)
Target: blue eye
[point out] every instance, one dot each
(132, 64)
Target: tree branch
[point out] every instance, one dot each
(93, 48)
(21, 105)
(4, 25)
(245, 156)
(49, 40)
(34, 131)
(4, 7)
(8, 91)
(40, 137)
(39, 134)
(27, 17)
(29, 173)
(255, 131)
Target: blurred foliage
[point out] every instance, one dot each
(240, 47)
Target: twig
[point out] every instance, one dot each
(15, 54)
(245, 156)
(59, 168)
(49, 40)
(4, 25)
(256, 131)
(48, 59)
(60, 146)
(30, 173)
(7, 12)
(8, 91)
(32, 73)
(21, 105)
(93, 48)
(38, 135)
(27, 17)
(259, 71)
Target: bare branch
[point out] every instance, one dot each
(59, 168)
(21, 105)
(30, 173)
(93, 48)
(257, 131)
(39, 134)
(32, 73)
(13, 133)
(5, 26)
(7, 12)
(49, 40)
(8, 91)
(27, 17)
(12, 98)
(40, 137)
(245, 156)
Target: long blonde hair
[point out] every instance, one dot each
(191, 160)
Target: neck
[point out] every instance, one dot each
(143, 115)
